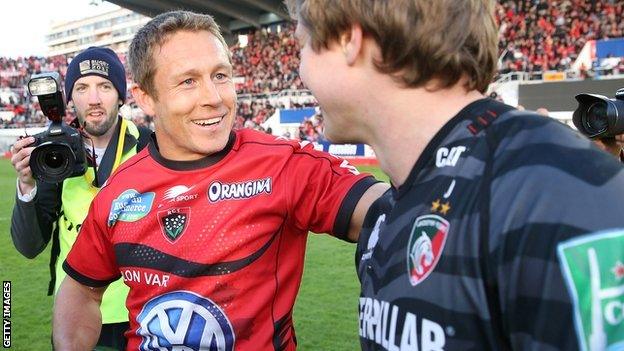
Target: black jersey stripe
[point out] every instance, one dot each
(567, 159)
(84, 280)
(143, 256)
(527, 316)
(343, 217)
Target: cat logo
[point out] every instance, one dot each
(444, 157)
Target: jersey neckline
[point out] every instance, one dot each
(207, 161)
(465, 113)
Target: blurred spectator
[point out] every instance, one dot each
(311, 129)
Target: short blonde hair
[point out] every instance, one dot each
(420, 40)
(155, 33)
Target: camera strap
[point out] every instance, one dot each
(120, 143)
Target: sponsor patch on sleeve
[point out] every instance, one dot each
(593, 269)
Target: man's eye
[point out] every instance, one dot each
(187, 81)
(221, 76)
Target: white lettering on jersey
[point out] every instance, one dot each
(378, 323)
(449, 191)
(374, 237)
(218, 191)
(444, 157)
(614, 312)
(178, 193)
(159, 279)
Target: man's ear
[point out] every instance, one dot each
(351, 43)
(143, 99)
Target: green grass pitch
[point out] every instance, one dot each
(325, 313)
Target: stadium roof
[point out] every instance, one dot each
(231, 15)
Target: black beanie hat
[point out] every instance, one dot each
(97, 61)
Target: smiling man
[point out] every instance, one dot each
(208, 226)
(95, 85)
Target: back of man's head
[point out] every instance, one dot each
(420, 40)
(97, 61)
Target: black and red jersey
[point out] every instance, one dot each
(506, 235)
(213, 249)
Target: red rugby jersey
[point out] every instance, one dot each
(213, 249)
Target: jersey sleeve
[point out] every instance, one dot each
(555, 240)
(91, 260)
(323, 191)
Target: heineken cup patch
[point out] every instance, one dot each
(593, 268)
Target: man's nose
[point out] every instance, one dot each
(93, 97)
(211, 95)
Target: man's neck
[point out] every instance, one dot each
(404, 122)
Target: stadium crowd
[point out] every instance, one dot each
(541, 35)
(269, 62)
(535, 36)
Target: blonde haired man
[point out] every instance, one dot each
(522, 216)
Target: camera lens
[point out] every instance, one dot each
(595, 120)
(52, 162)
(53, 159)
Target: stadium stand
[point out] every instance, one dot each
(539, 35)
(536, 36)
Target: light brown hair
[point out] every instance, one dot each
(420, 40)
(155, 33)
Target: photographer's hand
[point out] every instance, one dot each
(20, 158)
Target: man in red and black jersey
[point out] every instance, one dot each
(206, 226)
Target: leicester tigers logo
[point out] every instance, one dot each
(425, 246)
(173, 222)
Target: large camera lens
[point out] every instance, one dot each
(595, 119)
(52, 162)
(53, 159)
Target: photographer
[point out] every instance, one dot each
(95, 85)
(612, 146)
(600, 119)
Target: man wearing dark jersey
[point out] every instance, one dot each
(207, 226)
(503, 229)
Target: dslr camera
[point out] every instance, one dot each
(598, 116)
(59, 151)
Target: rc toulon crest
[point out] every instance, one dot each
(425, 246)
(173, 222)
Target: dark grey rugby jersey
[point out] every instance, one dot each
(506, 235)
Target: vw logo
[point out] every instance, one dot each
(184, 321)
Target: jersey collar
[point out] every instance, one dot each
(466, 113)
(190, 165)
